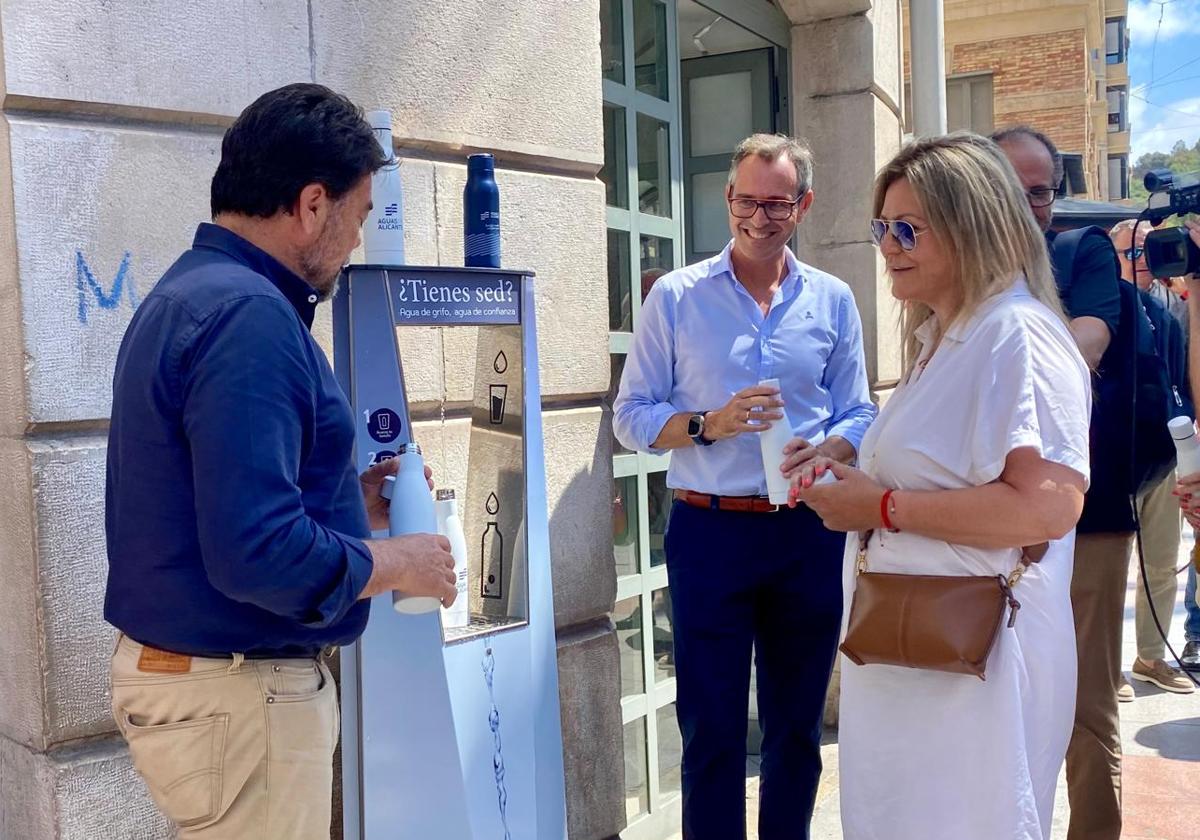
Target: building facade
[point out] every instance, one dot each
(1059, 65)
(611, 122)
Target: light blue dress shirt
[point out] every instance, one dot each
(701, 338)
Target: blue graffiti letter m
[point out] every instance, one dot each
(85, 280)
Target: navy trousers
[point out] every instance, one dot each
(772, 581)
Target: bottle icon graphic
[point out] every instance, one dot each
(491, 554)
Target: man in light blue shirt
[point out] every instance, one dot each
(744, 572)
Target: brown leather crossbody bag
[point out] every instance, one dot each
(934, 622)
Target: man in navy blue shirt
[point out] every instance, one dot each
(236, 526)
(1104, 536)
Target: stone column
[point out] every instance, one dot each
(845, 99)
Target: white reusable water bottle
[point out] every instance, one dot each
(411, 512)
(1187, 446)
(772, 442)
(450, 527)
(383, 231)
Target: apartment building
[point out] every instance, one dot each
(1059, 65)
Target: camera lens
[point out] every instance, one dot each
(1158, 179)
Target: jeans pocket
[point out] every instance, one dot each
(181, 764)
(302, 717)
(292, 680)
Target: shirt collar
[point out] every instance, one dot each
(723, 264)
(302, 296)
(961, 330)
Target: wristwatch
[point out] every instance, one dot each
(695, 430)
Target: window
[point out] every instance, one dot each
(1118, 177)
(969, 104)
(1114, 40)
(1117, 109)
(1074, 181)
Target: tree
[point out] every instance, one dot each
(1181, 160)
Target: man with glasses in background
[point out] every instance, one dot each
(1158, 508)
(745, 573)
(1086, 270)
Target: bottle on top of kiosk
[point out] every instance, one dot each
(383, 231)
(481, 214)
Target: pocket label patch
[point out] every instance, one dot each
(155, 661)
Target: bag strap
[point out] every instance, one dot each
(1030, 554)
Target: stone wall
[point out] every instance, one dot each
(110, 132)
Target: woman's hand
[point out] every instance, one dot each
(1188, 491)
(800, 458)
(849, 504)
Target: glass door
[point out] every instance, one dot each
(726, 98)
(646, 116)
(642, 176)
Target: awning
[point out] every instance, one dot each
(1077, 212)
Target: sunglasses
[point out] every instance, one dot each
(903, 232)
(1132, 254)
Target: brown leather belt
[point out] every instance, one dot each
(740, 504)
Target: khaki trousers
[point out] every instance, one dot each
(232, 749)
(1094, 753)
(1161, 523)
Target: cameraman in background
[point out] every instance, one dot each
(1158, 509)
(1188, 489)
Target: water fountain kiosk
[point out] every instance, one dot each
(453, 733)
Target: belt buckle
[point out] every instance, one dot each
(769, 508)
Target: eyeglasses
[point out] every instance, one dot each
(1041, 197)
(1132, 254)
(776, 209)
(903, 232)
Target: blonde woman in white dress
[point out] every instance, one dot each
(984, 447)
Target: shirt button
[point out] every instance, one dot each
(270, 699)
(275, 668)
(312, 298)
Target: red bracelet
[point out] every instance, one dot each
(883, 510)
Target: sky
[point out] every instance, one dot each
(1164, 74)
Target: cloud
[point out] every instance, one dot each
(1157, 130)
(1179, 18)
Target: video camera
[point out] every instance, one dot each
(1170, 252)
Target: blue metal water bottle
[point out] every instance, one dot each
(481, 213)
